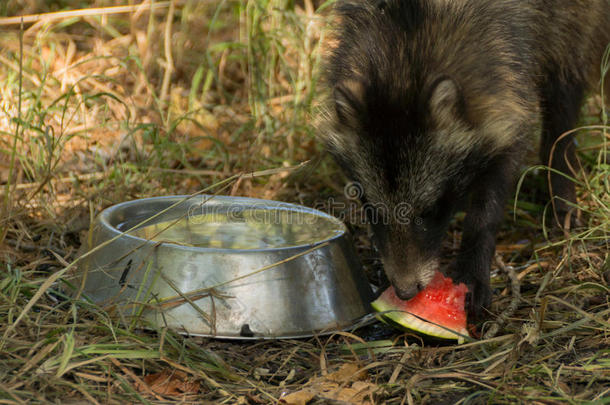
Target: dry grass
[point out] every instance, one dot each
(98, 108)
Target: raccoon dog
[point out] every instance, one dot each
(433, 103)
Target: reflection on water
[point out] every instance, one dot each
(243, 229)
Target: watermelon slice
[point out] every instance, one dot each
(438, 310)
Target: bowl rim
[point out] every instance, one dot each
(106, 214)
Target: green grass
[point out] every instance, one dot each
(89, 118)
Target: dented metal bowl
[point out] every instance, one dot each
(226, 267)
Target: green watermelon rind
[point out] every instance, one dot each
(417, 324)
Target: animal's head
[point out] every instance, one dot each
(411, 182)
(408, 128)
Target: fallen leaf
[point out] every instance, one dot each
(356, 394)
(347, 372)
(171, 383)
(345, 385)
(298, 398)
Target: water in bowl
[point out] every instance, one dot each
(243, 229)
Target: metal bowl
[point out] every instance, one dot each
(225, 267)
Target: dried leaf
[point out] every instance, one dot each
(298, 398)
(170, 383)
(356, 394)
(348, 372)
(345, 385)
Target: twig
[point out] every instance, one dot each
(406, 355)
(34, 18)
(526, 271)
(512, 306)
(66, 179)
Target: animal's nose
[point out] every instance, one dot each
(408, 292)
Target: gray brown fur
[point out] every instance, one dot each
(433, 103)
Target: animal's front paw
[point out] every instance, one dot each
(478, 298)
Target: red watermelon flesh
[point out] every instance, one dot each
(438, 310)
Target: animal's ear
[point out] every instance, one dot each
(446, 102)
(349, 101)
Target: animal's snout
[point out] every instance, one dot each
(406, 293)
